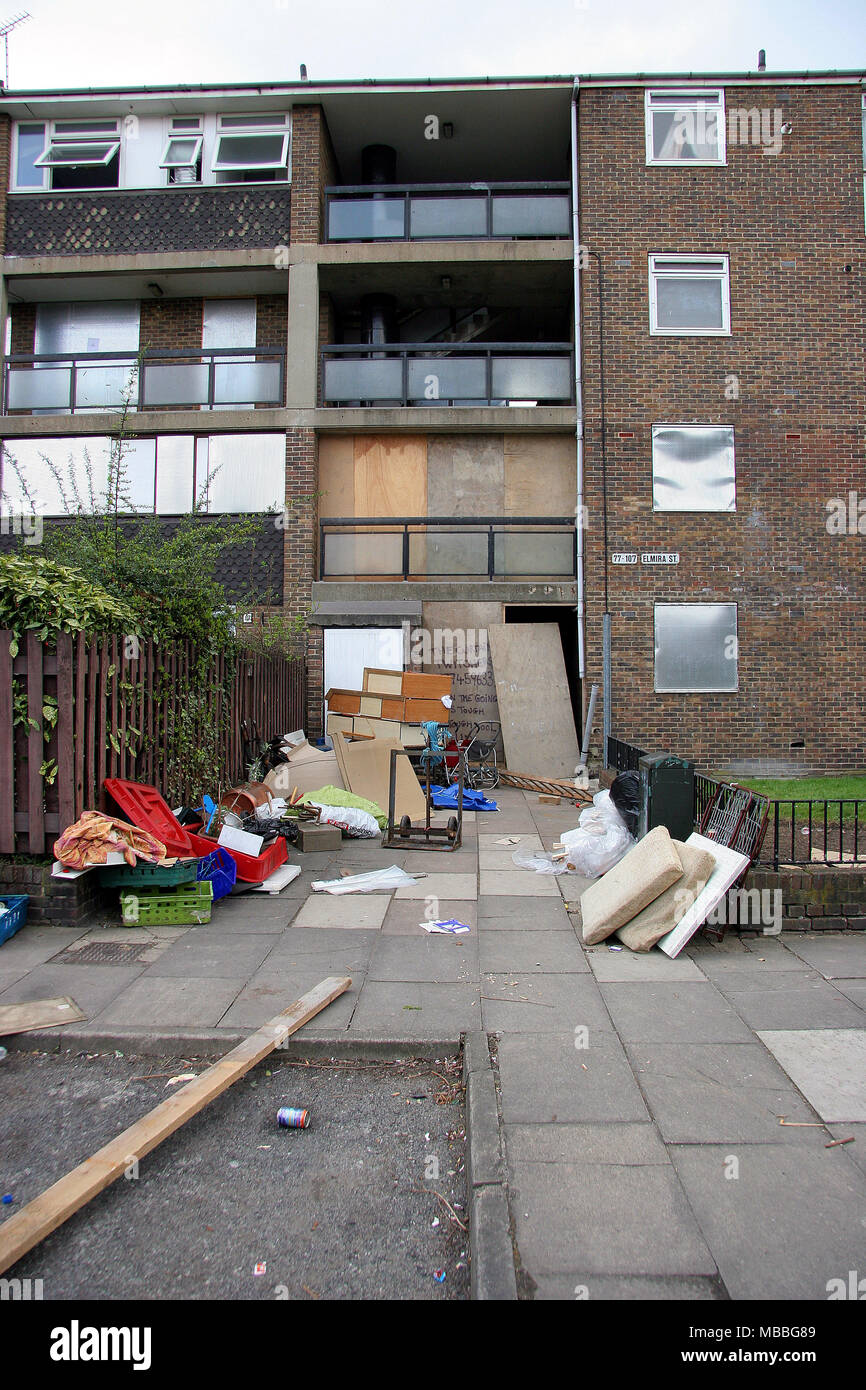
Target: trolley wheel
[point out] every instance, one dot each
(452, 828)
(405, 827)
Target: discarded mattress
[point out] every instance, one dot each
(640, 877)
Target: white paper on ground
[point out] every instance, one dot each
(279, 879)
(449, 928)
(729, 865)
(377, 881)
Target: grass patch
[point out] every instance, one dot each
(848, 788)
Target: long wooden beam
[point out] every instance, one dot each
(77, 1187)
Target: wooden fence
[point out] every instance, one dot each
(110, 708)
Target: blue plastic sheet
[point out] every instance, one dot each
(445, 799)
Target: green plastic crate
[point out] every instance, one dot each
(188, 905)
(148, 875)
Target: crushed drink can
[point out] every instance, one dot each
(287, 1118)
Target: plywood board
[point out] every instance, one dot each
(534, 703)
(336, 475)
(417, 711)
(530, 458)
(371, 706)
(365, 765)
(379, 682)
(339, 721)
(38, 1013)
(390, 475)
(425, 685)
(729, 866)
(376, 728)
(75, 1189)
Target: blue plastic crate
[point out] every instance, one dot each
(220, 870)
(14, 919)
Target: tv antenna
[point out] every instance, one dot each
(6, 30)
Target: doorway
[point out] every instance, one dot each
(565, 618)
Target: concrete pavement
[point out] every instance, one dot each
(637, 1147)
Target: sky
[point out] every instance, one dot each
(101, 43)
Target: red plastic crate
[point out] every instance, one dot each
(146, 808)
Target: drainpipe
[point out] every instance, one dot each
(578, 396)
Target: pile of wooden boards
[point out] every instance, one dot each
(391, 704)
(365, 767)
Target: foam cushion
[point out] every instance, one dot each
(663, 914)
(650, 867)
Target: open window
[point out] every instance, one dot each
(689, 295)
(685, 126)
(182, 153)
(251, 149)
(81, 154)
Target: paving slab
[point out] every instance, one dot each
(828, 1066)
(489, 840)
(269, 992)
(350, 911)
(769, 956)
(441, 885)
(545, 1080)
(785, 1000)
(35, 944)
(91, 986)
(855, 990)
(516, 883)
(856, 1151)
(673, 1012)
(204, 956)
(536, 1003)
(838, 957)
(160, 1002)
(538, 952)
(622, 1288)
(605, 1219)
(413, 1010)
(788, 1224)
(9, 976)
(500, 860)
(521, 913)
(431, 861)
(436, 959)
(625, 966)
(616, 1144)
(404, 918)
(720, 1093)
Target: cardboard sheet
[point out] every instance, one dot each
(38, 1013)
(365, 765)
(534, 703)
(729, 866)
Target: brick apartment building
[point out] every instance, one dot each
(587, 351)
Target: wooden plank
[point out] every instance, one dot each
(35, 746)
(365, 766)
(534, 702)
(65, 744)
(101, 768)
(390, 475)
(7, 747)
(80, 669)
(76, 1188)
(91, 786)
(38, 1013)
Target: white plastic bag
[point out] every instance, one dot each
(599, 841)
(360, 825)
(377, 881)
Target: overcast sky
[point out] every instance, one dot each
(99, 43)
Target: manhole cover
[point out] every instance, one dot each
(101, 953)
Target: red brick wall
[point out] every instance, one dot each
(313, 168)
(797, 346)
(302, 481)
(5, 156)
(23, 318)
(170, 325)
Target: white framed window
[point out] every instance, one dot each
(251, 148)
(28, 145)
(75, 154)
(693, 468)
(696, 647)
(183, 150)
(685, 125)
(689, 294)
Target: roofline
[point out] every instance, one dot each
(308, 89)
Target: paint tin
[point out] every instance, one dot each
(293, 1119)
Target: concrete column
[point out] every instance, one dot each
(303, 347)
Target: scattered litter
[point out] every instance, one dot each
(412, 1006)
(461, 1264)
(439, 1276)
(509, 840)
(801, 1124)
(310, 1291)
(450, 928)
(287, 1118)
(377, 881)
(614, 948)
(435, 1222)
(118, 1054)
(834, 1143)
(3, 1053)
(260, 1268)
(8, 1199)
(184, 1076)
(263, 1146)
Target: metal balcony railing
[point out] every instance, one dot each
(448, 374)
(447, 211)
(447, 547)
(210, 378)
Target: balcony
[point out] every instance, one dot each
(470, 374)
(55, 383)
(447, 211)
(448, 548)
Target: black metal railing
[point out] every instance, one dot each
(153, 380)
(479, 547)
(802, 831)
(447, 211)
(622, 756)
(448, 374)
